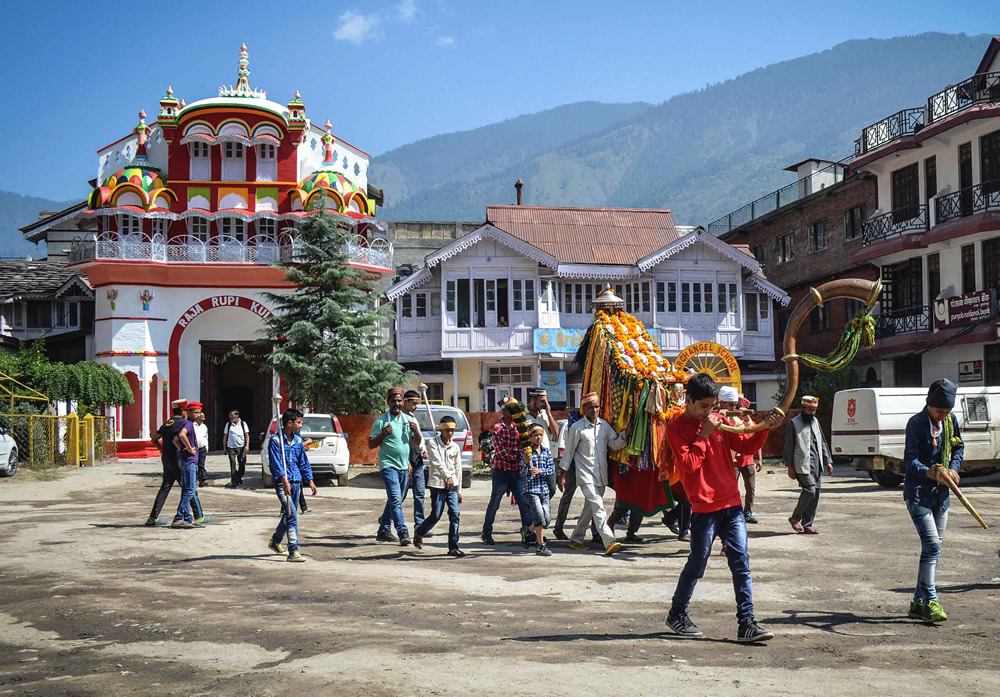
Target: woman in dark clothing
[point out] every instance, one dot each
(933, 452)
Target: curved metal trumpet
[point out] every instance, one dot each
(855, 288)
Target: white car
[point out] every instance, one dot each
(8, 453)
(463, 434)
(328, 453)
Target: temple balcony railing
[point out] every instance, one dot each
(894, 223)
(967, 201)
(260, 249)
(909, 320)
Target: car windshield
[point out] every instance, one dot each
(461, 423)
(318, 423)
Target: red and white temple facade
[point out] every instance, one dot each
(180, 237)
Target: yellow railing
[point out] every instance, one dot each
(45, 440)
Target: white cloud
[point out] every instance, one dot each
(406, 10)
(357, 27)
(445, 42)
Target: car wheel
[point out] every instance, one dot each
(466, 480)
(342, 479)
(886, 480)
(11, 464)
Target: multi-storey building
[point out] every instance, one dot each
(804, 235)
(936, 232)
(180, 237)
(504, 307)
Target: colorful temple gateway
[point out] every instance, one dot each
(178, 238)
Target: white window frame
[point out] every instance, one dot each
(267, 227)
(200, 169)
(161, 226)
(234, 163)
(198, 229)
(233, 227)
(267, 162)
(129, 225)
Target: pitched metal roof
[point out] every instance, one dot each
(38, 279)
(587, 235)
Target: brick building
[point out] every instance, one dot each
(804, 235)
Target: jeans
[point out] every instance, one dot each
(730, 525)
(171, 474)
(805, 509)
(538, 504)
(237, 464)
(439, 499)
(504, 482)
(930, 524)
(189, 472)
(395, 487)
(289, 522)
(749, 474)
(202, 472)
(416, 484)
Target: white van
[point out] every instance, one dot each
(869, 426)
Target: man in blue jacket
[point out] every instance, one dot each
(286, 456)
(933, 453)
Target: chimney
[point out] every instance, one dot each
(519, 184)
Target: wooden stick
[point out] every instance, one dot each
(965, 502)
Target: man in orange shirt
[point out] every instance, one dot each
(703, 457)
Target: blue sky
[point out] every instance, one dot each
(388, 73)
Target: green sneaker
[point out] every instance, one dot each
(156, 523)
(750, 517)
(276, 547)
(543, 551)
(916, 610)
(933, 612)
(295, 556)
(205, 519)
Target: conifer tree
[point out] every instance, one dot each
(329, 333)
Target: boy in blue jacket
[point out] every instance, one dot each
(934, 452)
(286, 457)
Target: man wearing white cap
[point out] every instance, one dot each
(806, 452)
(729, 400)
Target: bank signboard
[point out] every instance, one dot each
(959, 310)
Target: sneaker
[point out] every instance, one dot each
(612, 548)
(916, 610)
(750, 632)
(155, 523)
(543, 551)
(182, 524)
(295, 556)
(404, 539)
(196, 524)
(418, 541)
(578, 546)
(488, 540)
(634, 539)
(933, 612)
(682, 625)
(386, 536)
(205, 519)
(559, 534)
(457, 553)
(276, 547)
(750, 517)
(526, 536)
(684, 537)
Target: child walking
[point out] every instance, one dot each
(703, 456)
(290, 469)
(538, 465)
(444, 462)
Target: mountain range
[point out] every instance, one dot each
(701, 154)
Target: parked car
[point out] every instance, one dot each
(8, 453)
(463, 434)
(328, 452)
(869, 427)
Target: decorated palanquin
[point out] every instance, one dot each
(625, 367)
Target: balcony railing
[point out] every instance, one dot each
(261, 249)
(897, 222)
(831, 174)
(905, 321)
(978, 89)
(902, 123)
(973, 199)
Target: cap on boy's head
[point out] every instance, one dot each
(508, 403)
(194, 406)
(942, 394)
(744, 402)
(701, 386)
(728, 393)
(447, 422)
(393, 391)
(411, 394)
(810, 401)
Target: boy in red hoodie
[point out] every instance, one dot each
(702, 453)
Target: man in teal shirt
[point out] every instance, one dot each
(391, 434)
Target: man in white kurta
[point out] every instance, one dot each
(588, 441)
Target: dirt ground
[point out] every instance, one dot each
(96, 604)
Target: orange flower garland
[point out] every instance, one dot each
(633, 352)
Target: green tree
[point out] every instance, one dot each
(823, 386)
(328, 334)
